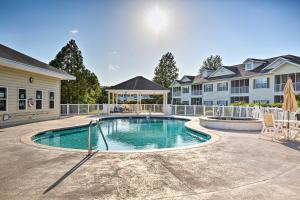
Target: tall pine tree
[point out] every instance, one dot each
(166, 71)
(86, 87)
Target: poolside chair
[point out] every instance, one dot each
(270, 127)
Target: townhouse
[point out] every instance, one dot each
(253, 81)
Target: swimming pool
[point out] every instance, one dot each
(125, 134)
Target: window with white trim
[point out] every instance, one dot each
(185, 89)
(222, 103)
(261, 83)
(22, 99)
(51, 100)
(3, 99)
(38, 100)
(249, 66)
(222, 86)
(208, 87)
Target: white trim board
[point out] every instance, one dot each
(29, 68)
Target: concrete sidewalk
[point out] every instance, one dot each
(237, 166)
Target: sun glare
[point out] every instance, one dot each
(157, 20)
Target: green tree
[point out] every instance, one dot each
(211, 63)
(86, 87)
(166, 72)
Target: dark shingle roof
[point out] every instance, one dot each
(11, 54)
(138, 83)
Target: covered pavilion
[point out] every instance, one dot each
(137, 86)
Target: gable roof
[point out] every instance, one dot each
(138, 83)
(27, 62)
(185, 82)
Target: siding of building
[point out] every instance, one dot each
(14, 79)
(258, 94)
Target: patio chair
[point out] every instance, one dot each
(270, 127)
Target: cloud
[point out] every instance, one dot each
(113, 67)
(75, 31)
(113, 53)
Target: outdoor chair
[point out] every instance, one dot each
(270, 127)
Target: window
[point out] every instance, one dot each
(176, 101)
(239, 99)
(176, 91)
(222, 103)
(38, 100)
(196, 101)
(222, 86)
(22, 99)
(278, 98)
(208, 103)
(3, 99)
(52, 99)
(261, 83)
(208, 87)
(249, 66)
(185, 102)
(185, 89)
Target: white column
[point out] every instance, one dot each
(116, 98)
(108, 102)
(164, 104)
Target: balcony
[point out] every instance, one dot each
(280, 87)
(196, 92)
(176, 94)
(238, 90)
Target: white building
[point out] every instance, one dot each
(255, 80)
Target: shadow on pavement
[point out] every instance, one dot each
(68, 173)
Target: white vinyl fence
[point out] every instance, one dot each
(184, 110)
(228, 111)
(97, 109)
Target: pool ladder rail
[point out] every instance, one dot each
(89, 135)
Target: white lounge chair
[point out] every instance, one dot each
(270, 127)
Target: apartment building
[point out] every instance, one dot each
(253, 81)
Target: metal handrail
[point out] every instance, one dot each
(99, 127)
(89, 135)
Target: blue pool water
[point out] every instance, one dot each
(125, 134)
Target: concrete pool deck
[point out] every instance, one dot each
(236, 166)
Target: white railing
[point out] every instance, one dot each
(97, 109)
(236, 90)
(280, 87)
(176, 94)
(228, 111)
(196, 92)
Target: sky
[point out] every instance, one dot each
(121, 39)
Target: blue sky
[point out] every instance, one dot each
(117, 42)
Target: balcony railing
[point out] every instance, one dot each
(196, 92)
(176, 94)
(237, 90)
(280, 87)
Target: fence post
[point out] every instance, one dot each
(88, 108)
(154, 108)
(68, 110)
(78, 109)
(184, 109)
(232, 110)
(204, 111)
(240, 113)
(194, 110)
(213, 110)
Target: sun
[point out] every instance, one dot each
(157, 20)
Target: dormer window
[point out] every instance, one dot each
(249, 66)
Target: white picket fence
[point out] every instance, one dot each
(184, 110)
